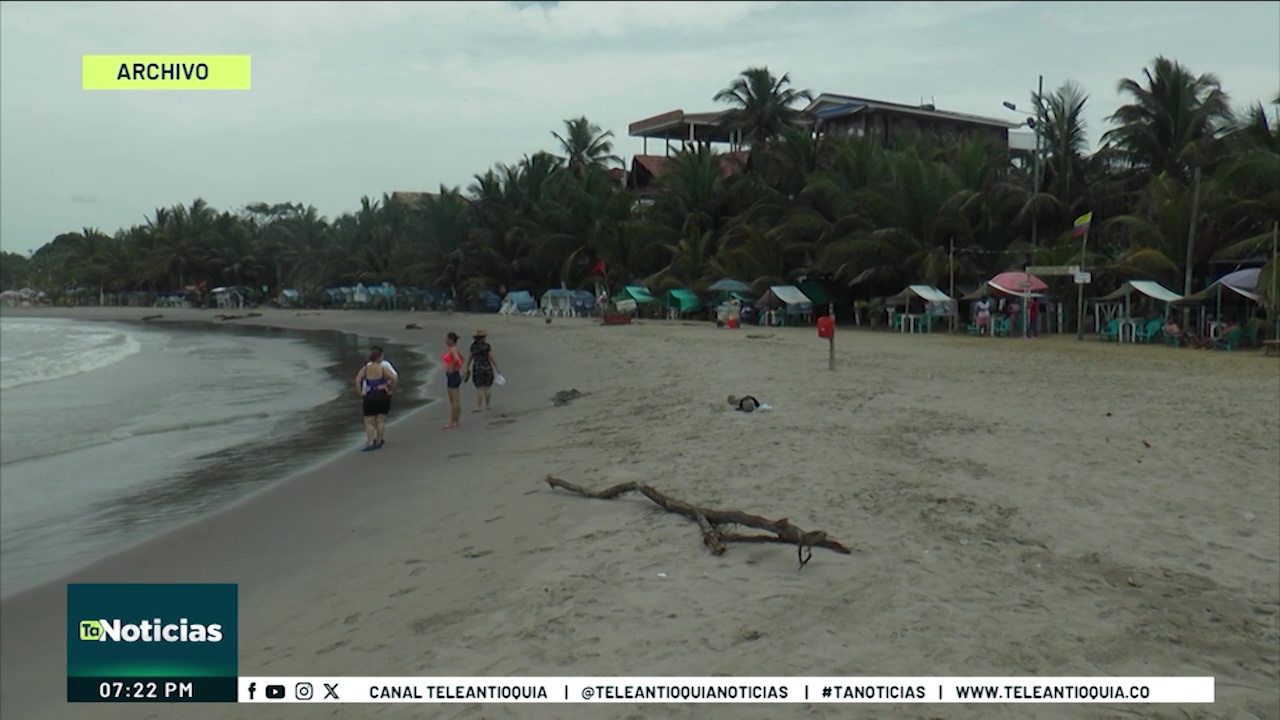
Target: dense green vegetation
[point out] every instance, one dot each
(861, 215)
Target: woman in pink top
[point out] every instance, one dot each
(453, 361)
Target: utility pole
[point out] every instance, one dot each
(1084, 242)
(951, 289)
(1035, 172)
(1191, 242)
(1275, 276)
(1035, 220)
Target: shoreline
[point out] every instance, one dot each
(224, 476)
(295, 522)
(1047, 509)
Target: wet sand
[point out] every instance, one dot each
(1016, 507)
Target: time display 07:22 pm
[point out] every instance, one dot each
(145, 690)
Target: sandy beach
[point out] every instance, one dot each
(1016, 507)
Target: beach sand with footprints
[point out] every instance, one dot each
(1013, 507)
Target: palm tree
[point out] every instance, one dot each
(1066, 140)
(761, 105)
(1171, 121)
(584, 144)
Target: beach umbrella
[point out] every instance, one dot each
(1019, 282)
(729, 285)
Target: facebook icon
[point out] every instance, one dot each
(252, 688)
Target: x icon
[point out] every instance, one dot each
(330, 691)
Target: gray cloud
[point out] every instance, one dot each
(364, 98)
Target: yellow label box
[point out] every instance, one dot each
(165, 72)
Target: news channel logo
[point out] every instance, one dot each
(152, 630)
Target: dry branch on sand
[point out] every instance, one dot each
(708, 519)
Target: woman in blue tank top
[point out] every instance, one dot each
(374, 385)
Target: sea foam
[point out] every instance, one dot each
(42, 352)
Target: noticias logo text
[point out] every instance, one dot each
(149, 631)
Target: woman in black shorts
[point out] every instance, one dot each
(374, 385)
(453, 363)
(482, 368)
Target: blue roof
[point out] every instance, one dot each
(840, 110)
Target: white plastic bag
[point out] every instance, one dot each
(499, 380)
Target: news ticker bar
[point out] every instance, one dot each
(727, 690)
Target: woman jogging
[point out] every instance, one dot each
(375, 384)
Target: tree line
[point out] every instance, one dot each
(865, 216)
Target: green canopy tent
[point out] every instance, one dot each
(723, 290)
(681, 300)
(635, 292)
(817, 294)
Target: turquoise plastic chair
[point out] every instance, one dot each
(1111, 331)
(1148, 332)
(1230, 342)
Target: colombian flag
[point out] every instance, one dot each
(1082, 224)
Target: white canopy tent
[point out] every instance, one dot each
(1214, 294)
(927, 293)
(1149, 288)
(797, 305)
(796, 302)
(1109, 306)
(1214, 291)
(932, 298)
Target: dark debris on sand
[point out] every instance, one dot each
(564, 397)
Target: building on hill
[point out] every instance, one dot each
(860, 117)
(411, 198)
(645, 169)
(827, 113)
(686, 128)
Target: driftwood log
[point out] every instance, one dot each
(709, 520)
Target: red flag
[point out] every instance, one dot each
(598, 268)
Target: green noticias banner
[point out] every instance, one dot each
(152, 642)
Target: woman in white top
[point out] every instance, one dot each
(982, 315)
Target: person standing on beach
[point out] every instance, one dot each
(374, 384)
(982, 317)
(481, 368)
(453, 363)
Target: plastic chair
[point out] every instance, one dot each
(1111, 331)
(1230, 341)
(1148, 332)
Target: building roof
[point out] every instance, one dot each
(655, 165)
(411, 198)
(658, 124)
(710, 126)
(829, 105)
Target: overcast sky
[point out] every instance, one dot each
(354, 99)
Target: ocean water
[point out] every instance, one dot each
(112, 433)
